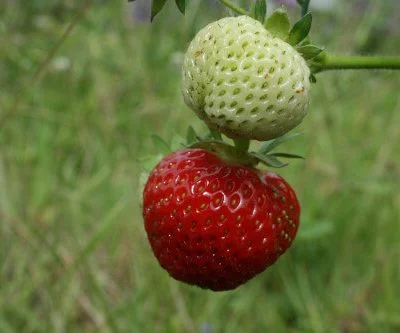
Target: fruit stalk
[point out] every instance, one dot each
(234, 7)
(334, 62)
(242, 145)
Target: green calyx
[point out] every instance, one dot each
(278, 24)
(226, 152)
(239, 153)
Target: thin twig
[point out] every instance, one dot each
(234, 7)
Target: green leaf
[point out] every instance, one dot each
(181, 5)
(300, 30)
(161, 145)
(272, 144)
(260, 10)
(278, 23)
(191, 136)
(156, 7)
(286, 155)
(270, 161)
(313, 79)
(309, 51)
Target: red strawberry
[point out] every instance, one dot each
(215, 224)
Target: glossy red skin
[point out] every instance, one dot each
(217, 225)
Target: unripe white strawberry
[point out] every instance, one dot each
(245, 82)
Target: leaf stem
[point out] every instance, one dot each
(234, 7)
(334, 62)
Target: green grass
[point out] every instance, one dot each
(73, 252)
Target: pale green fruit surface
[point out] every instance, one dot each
(243, 81)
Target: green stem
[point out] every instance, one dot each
(332, 62)
(242, 145)
(304, 7)
(234, 7)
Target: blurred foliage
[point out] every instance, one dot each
(73, 252)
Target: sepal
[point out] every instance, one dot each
(278, 24)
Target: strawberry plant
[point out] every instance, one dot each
(213, 216)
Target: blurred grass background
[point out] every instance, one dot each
(73, 251)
